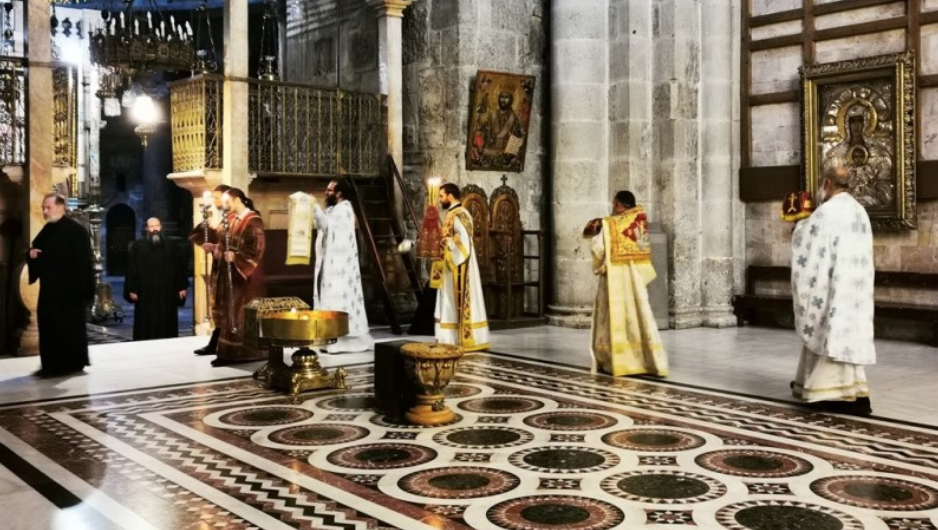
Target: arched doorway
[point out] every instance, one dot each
(120, 223)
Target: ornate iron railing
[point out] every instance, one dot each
(65, 115)
(305, 130)
(293, 129)
(12, 111)
(196, 122)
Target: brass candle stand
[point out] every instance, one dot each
(302, 329)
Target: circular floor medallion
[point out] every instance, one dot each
(265, 416)
(570, 420)
(382, 456)
(483, 437)
(501, 405)
(542, 512)
(349, 403)
(459, 482)
(319, 434)
(564, 459)
(653, 440)
(784, 515)
(460, 391)
(877, 493)
(663, 486)
(754, 463)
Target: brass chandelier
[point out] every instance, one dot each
(132, 40)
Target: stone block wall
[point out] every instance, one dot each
(776, 134)
(445, 44)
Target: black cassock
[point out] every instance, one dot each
(65, 270)
(156, 273)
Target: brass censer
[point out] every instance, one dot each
(303, 329)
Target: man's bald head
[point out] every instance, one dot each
(838, 177)
(154, 225)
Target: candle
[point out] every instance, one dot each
(433, 190)
(206, 198)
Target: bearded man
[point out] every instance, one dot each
(156, 283)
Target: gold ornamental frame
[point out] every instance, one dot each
(860, 114)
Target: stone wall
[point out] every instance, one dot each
(332, 43)
(776, 134)
(445, 44)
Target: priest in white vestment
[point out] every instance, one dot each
(625, 338)
(832, 289)
(337, 284)
(460, 308)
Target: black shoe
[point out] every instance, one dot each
(205, 350)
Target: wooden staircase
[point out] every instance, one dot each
(392, 274)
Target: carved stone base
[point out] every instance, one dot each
(570, 317)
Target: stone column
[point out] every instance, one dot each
(235, 132)
(678, 131)
(579, 152)
(39, 141)
(719, 104)
(390, 74)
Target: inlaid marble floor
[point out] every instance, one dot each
(152, 437)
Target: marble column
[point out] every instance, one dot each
(390, 71)
(235, 171)
(579, 128)
(39, 142)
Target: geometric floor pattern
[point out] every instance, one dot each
(534, 446)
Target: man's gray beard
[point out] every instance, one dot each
(155, 239)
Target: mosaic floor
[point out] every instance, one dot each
(534, 446)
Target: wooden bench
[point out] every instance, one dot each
(746, 304)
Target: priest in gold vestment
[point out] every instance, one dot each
(460, 308)
(625, 339)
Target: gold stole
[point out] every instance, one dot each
(626, 240)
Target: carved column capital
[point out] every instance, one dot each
(390, 8)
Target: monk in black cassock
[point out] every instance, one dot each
(156, 283)
(60, 257)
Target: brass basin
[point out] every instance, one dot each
(305, 326)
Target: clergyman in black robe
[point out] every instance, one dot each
(60, 258)
(156, 283)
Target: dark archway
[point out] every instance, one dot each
(121, 222)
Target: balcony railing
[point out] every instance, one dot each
(292, 129)
(12, 111)
(196, 122)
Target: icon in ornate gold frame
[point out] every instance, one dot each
(498, 121)
(859, 114)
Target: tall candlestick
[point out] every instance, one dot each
(433, 190)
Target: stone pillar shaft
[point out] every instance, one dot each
(390, 71)
(39, 109)
(580, 131)
(235, 171)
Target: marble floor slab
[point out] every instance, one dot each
(152, 436)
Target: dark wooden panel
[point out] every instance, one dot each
(775, 18)
(926, 179)
(771, 183)
(776, 42)
(875, 26)
(847, 5)
(768, 183)
(789, 96)
(928, 81)
(928, 17)
(745, 81)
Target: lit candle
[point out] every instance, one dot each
(433, 190)
(206, 198)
